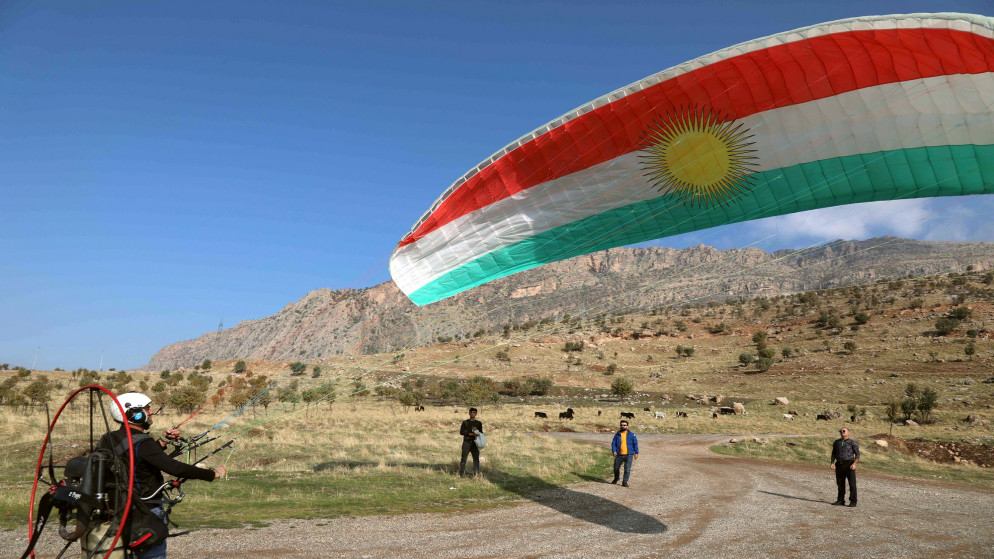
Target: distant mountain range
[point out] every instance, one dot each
(381, 319)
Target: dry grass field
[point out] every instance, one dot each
(366, 453)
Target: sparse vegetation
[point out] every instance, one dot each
(840, 368)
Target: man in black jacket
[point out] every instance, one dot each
(151, 459)
(468, 430)
(845, 455)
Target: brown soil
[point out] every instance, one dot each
(944, 452)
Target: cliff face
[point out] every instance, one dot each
(619, 280)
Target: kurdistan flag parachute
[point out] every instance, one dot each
(857, 110)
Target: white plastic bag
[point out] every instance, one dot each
(481, 441)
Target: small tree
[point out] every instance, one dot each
(574, 346)
(960, 313)
(927, 400)
(264, 399)
(206, 365)
(945, 325)
(746, 359)
(540, 386)
(970, 350)
(406, 399)
(621, 387)
(911, 390)
(39, 391)
(507, 388)
(187, 399)
(893, 413)
(763, 364)
(908, 407)
(240, 366)
(759, 338)
(850, 347)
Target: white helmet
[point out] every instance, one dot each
(134, 404)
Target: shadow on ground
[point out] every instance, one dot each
(792, 497)
(578, 504)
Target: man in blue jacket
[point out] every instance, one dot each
(625, 448)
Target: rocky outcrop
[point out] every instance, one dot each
(381, 319)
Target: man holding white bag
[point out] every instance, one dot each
(469, 429)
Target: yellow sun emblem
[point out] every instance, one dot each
(699, 155)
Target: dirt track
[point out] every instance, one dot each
(685, 501)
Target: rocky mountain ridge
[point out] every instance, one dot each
(381, 319)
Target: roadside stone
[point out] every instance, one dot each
(976, 421)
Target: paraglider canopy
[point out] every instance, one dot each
(857, 110)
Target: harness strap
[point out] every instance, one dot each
(45, 505)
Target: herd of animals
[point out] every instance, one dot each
(569, 413)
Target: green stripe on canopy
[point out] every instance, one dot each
(891, 175)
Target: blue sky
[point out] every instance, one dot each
(165, 166)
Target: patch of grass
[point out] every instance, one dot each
(817, 450)
(349, 460)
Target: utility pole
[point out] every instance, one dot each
(35, 362)
(101, 360)
(217, 337)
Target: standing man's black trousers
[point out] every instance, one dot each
(843, 473)
(467, 448)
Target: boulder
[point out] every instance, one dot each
(881, 443)
(738, 407)
(911, 423)
(976, 421)
(780, 401)
(831, 414)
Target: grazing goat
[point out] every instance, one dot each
(568, 414)
(646, 409)
(788, 416)
(629, 415)
(660, 415)
(681, 414)
(821, 417)
(541, 414)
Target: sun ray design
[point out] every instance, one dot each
(699, 155)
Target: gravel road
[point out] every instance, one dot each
(684, 501)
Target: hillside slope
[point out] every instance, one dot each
(381, 319)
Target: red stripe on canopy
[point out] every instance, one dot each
(739, 86)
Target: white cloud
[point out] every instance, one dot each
(956, 218)
(903, 218)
